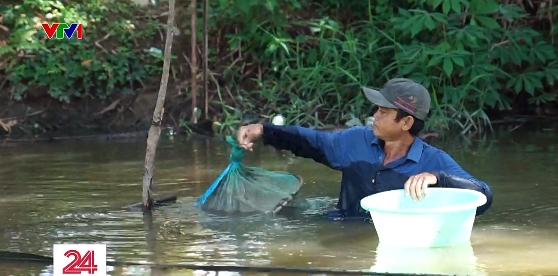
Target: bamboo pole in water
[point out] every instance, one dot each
(205, 57)
(155, 129)
(194, 65)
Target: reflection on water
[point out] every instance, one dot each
(459, 259)
(75, 192)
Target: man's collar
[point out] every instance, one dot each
(415, 151)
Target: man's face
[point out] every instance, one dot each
(386, 128)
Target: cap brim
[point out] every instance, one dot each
(377, 98)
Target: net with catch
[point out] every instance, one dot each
(243, 189)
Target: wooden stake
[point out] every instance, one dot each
(205, 58)
(155, 129)
(194, 62)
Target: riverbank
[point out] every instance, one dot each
(128, 117)
(45, 118)
(310, 69)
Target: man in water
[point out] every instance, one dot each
(386, 157)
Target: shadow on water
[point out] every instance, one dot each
(76, 191)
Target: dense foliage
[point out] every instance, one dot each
(306, 59)
(108, 59)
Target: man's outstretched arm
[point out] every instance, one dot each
(328, 148)
(452, 175)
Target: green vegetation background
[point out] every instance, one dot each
(304, 59)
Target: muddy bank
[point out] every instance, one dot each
(124, 116)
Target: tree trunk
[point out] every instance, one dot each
(155, 129)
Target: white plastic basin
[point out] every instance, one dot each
(444, 218)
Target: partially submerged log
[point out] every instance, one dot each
(157, 202)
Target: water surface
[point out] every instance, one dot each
(74, 192)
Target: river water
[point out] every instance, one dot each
(74, 192)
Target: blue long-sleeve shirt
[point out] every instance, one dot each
(359, 155)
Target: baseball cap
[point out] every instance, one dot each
(403, 94)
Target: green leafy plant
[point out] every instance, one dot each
(472, 55)
(111, 57)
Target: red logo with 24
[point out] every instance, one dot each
(79, 259)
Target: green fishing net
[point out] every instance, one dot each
(243, 189)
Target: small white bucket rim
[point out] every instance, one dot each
(455, 208)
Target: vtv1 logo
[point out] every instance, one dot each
(76, 259)
(63, 30)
